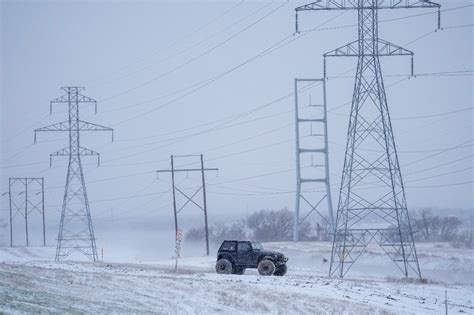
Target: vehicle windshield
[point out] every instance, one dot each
(257, 246)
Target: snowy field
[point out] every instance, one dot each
(31, 282)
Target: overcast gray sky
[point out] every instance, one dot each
(130, 55)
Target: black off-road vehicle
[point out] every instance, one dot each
(235, 256)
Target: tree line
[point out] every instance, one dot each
(265, 226)
(277, 226)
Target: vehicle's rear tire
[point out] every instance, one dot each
(266, 267)
(239, 271)
(281, 271)
(224, 266)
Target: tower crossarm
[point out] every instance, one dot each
(83, 126)
(82, 151)
(67, 151)
(60, 126)
(85, 151)
(87, 126)
(390, 49)
(385, 48)
(66, 98)
(80, 99)
(366, 4)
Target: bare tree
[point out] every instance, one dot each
(435, 228)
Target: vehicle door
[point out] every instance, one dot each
(244, 253)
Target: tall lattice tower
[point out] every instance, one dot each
(372, 205)
(76, 233)
(313, 189)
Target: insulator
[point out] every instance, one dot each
(439, 18)
(412, 66)
(324, 68)
(296, 24)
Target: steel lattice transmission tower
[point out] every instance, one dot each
(76, 233)
(372, 205)
(312, 150)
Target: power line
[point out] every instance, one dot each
(189, 48)
(198, 86)
(435, 115)
(208, 51)
(194, 31)
(439, 175)
(445, 10)
(439, 165)
(201, 84)
(264, 53)
(438, 153)
(444, 185)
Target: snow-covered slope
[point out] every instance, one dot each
(30, 281)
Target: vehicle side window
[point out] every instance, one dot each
(244, 247)
(229, 246)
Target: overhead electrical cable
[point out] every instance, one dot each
(206, 52)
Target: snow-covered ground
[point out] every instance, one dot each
(30, 281)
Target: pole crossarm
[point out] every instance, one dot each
(364, 4)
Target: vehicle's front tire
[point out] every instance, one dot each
(239, 271)
(224, 266)
(281, 271)
(266, 267)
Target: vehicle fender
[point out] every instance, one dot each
(226, 256)
(265, 257)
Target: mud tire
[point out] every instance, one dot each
(224, 266)
(266, 267)
(281, 271)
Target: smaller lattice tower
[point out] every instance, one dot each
(76, 233)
